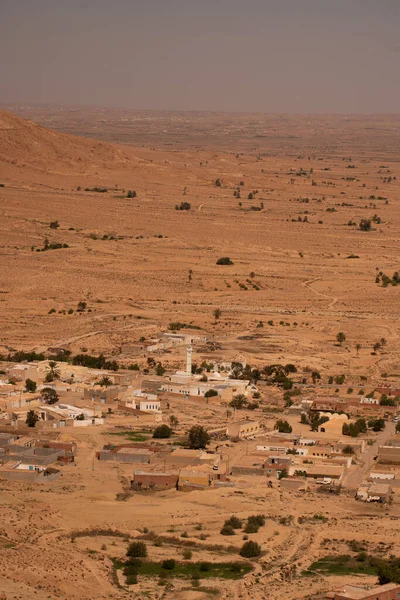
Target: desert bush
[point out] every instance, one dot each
(250, 549)
(183, 206)
(225, 260)
(227, 530)
(234, 522)
(137, 550)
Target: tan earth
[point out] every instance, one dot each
(316, 277)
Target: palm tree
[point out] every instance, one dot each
(376, 347)
(358, 348)
(53, 372)
(105, 381)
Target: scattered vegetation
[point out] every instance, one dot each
(198, 437)
(162, 431)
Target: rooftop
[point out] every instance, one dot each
(353, 592)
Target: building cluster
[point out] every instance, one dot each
(24, 458)
(84, 396)
(162, 467)
(290, 456)
(378, 403)
(382, 479)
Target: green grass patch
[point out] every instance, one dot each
(223, 570)
(342, 565)
(133, 436)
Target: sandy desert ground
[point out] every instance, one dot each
(296, 262)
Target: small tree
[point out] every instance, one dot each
(365, 224)
(198, 437)
(358, 348)
(30, 385)
(315, 375)
(160, 370)
(348, 449)
(49, 395)
(162, 431)
(250, 549)
(340, 338)
(217, 313)
(173, 420)
(31, 418)
(105, 381)
(239, 401)
(137, 550)
(283, 426)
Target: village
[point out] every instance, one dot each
(212, 424)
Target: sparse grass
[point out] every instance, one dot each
(133, 436)
(98, 531)
(343, 564)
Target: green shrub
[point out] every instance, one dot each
(227, 530)
(250, 549)
(131, 579)
(168, 564)
(234, 522)
(137, 550)
(225, 260)
(258, 519)
(162, 432)
(251, 528)
(133, 563)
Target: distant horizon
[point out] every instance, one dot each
(223, 56)
(46, 105)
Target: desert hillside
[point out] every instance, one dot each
(103, 248)
(26, 144)
(290, 221)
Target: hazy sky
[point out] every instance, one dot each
(233, 55)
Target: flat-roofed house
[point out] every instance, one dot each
(389, 591)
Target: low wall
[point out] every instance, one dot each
(126, 458)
